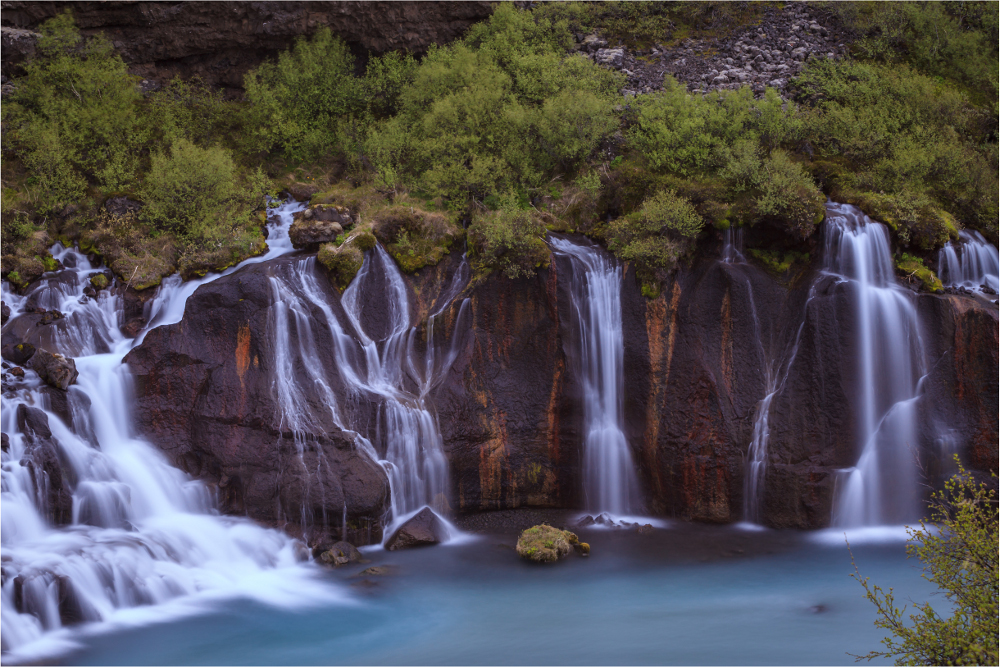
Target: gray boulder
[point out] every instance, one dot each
(54, 369)
(424, 529)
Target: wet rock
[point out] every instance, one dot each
(545, 544)
(204, 395)
(4, 312)
(423, 529)
(17, 372)
(41, 458)
(49, 316)
(54, 369)
(311, 233)
(341, 553)
(377, 571)
(18, 353)
(4, 443)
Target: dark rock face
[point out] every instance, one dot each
(220, 42)
(205, 396)
(698, 361)
(424, 529)
(41, 458)
(696, 367)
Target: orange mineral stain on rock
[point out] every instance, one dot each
(493, 462)
(243, 352)
(656, 324)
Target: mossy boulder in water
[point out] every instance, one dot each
(545, 544)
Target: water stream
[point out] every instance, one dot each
(610, 483)
(141, 532)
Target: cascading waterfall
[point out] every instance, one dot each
(883, 487)
(610, 483)
(972, 263)
(384, 367)
(141, 532)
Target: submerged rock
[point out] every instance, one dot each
(341, 553)
(545, 544)
(424, 529)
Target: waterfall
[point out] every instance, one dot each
(732, 245)
(610, 483)
(140, 532)
(972, 263)
(378, 360)
(882, 488)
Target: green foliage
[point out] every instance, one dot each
(510, 240)
(415, 238)
(905, 137)
(190, 110)
(297, 103)
(953, 40)
(776, 262)
(649, 236)
(73, 116)
(690, 134)
(503, 109)
(913, 269)
(198, 193)
(958, 549)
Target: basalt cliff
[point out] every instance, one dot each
(696, 365)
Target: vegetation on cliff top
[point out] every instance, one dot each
(511, 132)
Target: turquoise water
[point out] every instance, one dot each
(689, 595)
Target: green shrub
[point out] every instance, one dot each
(787, 194)
(957, 547)
(510, 240)
(194, 191)
(650, 236)
(297, 103)
(73, 116)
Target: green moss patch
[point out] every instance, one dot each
(414, 237)
(545, 544)
(912, 269)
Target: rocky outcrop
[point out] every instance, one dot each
(768, 52)
(206, 395)
(220, 42)
(545, 544)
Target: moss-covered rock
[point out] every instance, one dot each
(99, 281)
(778, 263)
(342, 262)
(545, 544)
(912, 269)
(416, 237)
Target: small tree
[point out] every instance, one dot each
(958, 548)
